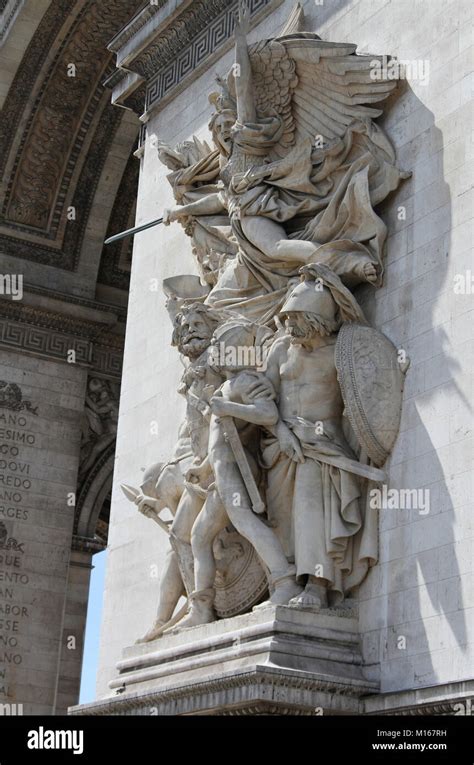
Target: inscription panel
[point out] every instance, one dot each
(39, 451)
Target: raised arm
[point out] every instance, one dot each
(242, 69)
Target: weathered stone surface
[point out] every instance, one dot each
(67, 173)
(34, 558)
(275, 659)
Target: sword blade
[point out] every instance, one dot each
(233, 438)
(133, 231)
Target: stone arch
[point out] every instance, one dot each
(68, 178)
(94, 492)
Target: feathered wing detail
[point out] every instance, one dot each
(318, 88)
(274, 80)
(334, 88)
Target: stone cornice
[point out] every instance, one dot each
(177, 36)
(177, 41)
(265, 678)
(119, 311)
(240, 688)
(443, 699)
(72, 325)
(137, 23)
(52, 334)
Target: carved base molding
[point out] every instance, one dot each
(275, 660)
(444, 699)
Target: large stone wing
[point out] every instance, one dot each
(274, 79)
(318, 88)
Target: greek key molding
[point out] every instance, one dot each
(183, 47)
(107, 361)
(53, 335)
(43, 342)
(180, 52)
(179, 34)
(40, 317)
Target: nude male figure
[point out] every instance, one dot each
(313, 477)
(229, 501)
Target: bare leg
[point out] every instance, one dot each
(210, 521)
(171, 588)
(171, 583)
(261, 537)
(188, 510)
(235, 498)
(170, 591)
(270, 237)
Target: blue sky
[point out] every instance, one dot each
(94, 614)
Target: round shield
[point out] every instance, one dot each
(371, 381)
(240, 581)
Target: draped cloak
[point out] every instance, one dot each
(324, 196)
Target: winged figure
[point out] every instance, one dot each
(302, 165)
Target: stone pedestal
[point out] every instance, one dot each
(275, 660)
